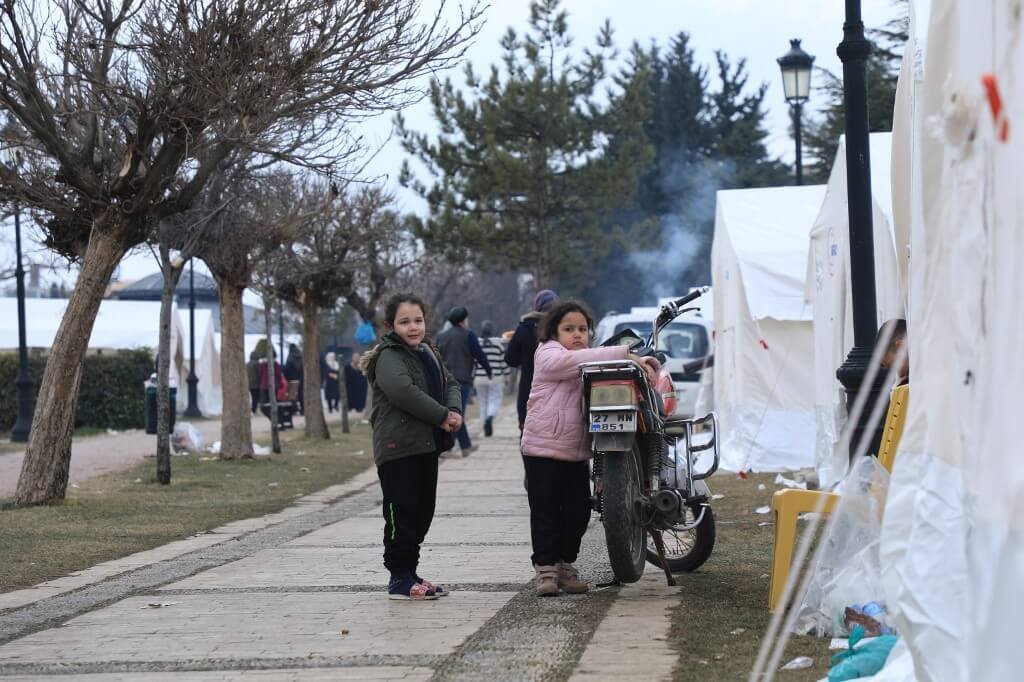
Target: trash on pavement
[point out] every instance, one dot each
(763, 510)
(214, 447)
(799, 663)
(790, 483)
(260, 450)
(861, 661)
(304, 470)
(273, 484)
(738, 631)
(186, 438)
(872, 616)
(717, 496)
(159, 604)
(762, 486)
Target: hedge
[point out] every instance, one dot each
(111, 395)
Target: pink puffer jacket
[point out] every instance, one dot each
(554, 413)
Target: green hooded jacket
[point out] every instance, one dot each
(404, 415)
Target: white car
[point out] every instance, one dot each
(686, 339)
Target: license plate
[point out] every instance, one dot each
(612, 421)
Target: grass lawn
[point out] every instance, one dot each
(729, 594)
(122, 513)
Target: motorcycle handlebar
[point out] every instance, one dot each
(692, 296)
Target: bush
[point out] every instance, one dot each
(111, 395)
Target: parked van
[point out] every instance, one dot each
(686, 339)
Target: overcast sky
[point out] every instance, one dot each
(757, 30)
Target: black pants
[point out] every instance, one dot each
(410, 491)
(559, 494)
(254, 393)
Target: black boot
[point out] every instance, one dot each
(489, 426)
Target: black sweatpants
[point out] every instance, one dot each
(410, 491)
(559, 495)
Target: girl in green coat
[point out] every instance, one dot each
(416, 408)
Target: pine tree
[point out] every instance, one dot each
(529, 163)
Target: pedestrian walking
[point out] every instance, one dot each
(294, 371)
(417, 404)
(460, 350)
(523, 345)
(331, 387)
(252, 371)
(556, 445)
(490, 389)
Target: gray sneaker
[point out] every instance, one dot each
(466, 452)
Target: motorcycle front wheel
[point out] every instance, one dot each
(687, 550)
(624, 529)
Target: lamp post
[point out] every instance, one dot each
(796, 86)
(280, 328)
(23, 384)
(853, 52)
(193, 398)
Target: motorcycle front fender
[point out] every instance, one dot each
(614, 441)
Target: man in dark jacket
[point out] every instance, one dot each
(523, 345)
(460, 349)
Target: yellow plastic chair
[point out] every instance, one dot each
(788, 504)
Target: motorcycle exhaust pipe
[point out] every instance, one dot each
(668, 501)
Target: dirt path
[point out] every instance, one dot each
(97, 455)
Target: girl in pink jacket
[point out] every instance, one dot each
(556, 444)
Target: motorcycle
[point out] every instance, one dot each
(654, 505)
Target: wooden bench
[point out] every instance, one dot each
(788, 504)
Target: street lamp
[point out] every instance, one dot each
(853, 52)
(23, 384)
(193, 398)
(796, 86)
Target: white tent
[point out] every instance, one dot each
(828, 291)
(119, 325)
(952, 548)
(209, 394)
(764, 345)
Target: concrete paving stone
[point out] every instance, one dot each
(245, 626)
(461, 505)
(338, 567)
(488, 488)
(367, 530)
(355, 673)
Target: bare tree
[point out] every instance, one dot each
(130, 107)
(349, 246)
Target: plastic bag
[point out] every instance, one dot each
(861, 661)
(365, 333)
(847, 579)
(186, 438)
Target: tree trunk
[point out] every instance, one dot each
(316, 424)
(44, 471)
(235, 424)
(343, 394)
(163, 365)
(275, 436)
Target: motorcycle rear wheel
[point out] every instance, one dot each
(624, 530)
(687, 550)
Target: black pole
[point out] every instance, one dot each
(23, 384)
(853, 52)
(193, 398)
(798, 109)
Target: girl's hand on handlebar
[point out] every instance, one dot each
(650, 365)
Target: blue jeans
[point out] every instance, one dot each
(463, 433)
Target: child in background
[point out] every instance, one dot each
(556, 444)
(416, 407)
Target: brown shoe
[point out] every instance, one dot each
(547, 581)
(569, 579)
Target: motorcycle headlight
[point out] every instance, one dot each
(611, 394)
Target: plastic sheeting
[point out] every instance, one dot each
(952, 546)
(828, 291)
(764, 345)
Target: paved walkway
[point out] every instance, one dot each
(299, 596)
(100, 454)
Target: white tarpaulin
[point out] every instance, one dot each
(119, 325)
(209, 394)
(828, 291)
(952, 547)
(764, 345)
